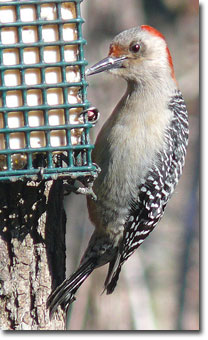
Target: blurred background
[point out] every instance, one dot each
(159, 285)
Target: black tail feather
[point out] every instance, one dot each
(64, 294)
(112, 284)
(113, 273)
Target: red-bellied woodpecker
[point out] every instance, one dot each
(140, 149)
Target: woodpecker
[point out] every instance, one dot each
(141, 152)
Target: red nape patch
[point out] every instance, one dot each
(157, 33)
(153, 31)
(170, 61)
(116, 50)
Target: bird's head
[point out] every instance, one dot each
(137, 54)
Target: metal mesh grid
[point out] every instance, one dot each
(30, 98)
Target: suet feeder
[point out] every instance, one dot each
(43, 91)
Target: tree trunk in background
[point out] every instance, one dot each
(32, 253)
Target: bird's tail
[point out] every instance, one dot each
(113, 274)
(64, 294)
(113, 282)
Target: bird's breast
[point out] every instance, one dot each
(125, 150)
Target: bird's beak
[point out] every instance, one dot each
(106, 64)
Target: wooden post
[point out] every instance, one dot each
(32, 218)
(32, 253)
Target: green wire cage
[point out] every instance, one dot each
(43, 91)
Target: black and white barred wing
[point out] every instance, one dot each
(156, 188)
(159, 184)
(143, 217)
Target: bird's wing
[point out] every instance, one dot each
(159, 183)
(156, 188)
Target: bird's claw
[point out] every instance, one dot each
(86, 191)
(75, 187)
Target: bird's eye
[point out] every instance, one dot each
(135, 47)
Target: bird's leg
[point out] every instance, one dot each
(86, 182)
(82, 185)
